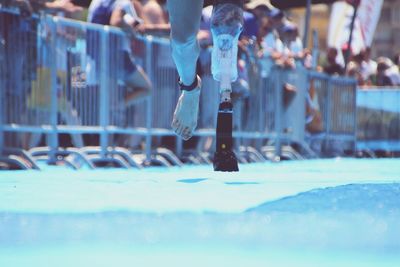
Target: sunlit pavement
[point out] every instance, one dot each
(337, 212)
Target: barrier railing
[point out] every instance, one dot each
(378, 124)
(62, 76)
(337, 100)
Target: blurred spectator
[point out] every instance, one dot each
(332, 67)
(387, 73)
(295, 43)
(121, 13)
(155, 19)
(28, 7)
(394, 73)
(308, 59)
(253, 14)
(382, 78)
(254, 11)
(293, 46)
(368, 66)
(271, 47)
(24, 6)
(353, 70)
(396, 60)
(28, 46)
(66, 6)
(277, 21)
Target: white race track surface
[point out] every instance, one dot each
(337, 212)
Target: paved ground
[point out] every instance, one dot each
(338, 212)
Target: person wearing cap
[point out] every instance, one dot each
(255, 10)
(253, 4)
(293, 44)
(271, 46)
(277, 20)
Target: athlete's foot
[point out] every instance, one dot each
(187, 110)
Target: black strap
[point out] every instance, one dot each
(188, 87)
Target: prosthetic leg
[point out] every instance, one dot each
(226, 25)
(224, 157)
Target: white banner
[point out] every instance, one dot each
(364, 27)
(368, 15)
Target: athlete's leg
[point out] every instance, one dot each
(185, 22)
(185, 19)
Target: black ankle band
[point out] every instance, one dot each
(239, 3)
(188, 87)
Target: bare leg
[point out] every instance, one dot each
(185, 19)
(185, 22)
(140, 86)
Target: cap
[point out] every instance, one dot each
(275, 13)
(252, 4)
(289, 27)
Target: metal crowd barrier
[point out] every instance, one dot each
(61, 76)
(378, 124)
(64, 76)
(332, 110)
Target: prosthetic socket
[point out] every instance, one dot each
(226, 26)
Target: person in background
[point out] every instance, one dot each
(254, 11)
(28, 7)
(393, 72)
(291, 49)
(388, 73)
(368, 66)
(295, 44)
(277, 21)
(121, 13)
(271, 46)
(155, 19)
(382, 78)
(353, 70)
(396, 60)
(29, 73)
(332, 67)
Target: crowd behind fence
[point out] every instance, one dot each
(60, 76)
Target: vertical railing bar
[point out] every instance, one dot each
(354, 89)
(149, 100)
(2, 88)
(328, 112)
(104, 89)
(278, 114)
(53, 135)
